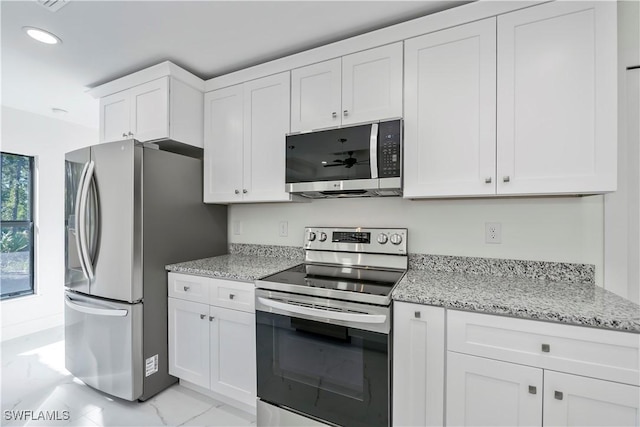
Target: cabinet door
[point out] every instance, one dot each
(266, 123)
(315, 96)
(450, 118)
(486, 392)
(233, 354)
(150, 110)
(223, 145)
(114, 117)
(571, 400)
(189, 341)
(372, 84)
(557, 105)
(418, 365)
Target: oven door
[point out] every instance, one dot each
(326, 359)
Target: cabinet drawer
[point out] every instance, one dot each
(232, 294)
(191, 288)
(597, 353)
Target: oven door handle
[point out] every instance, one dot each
(321, 314)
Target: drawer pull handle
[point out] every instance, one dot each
(558, 395)
(546, 348)
(417, 314)
(211, 318)
(533, 389)
(202, 316)
(231, 296)
(186, 288)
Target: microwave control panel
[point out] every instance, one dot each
(389, 149)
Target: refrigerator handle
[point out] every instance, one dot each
(78, 224)
(93, 310)
(82, 229)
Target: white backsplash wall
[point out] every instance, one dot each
(561, 229)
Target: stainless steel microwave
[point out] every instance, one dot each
(355, 161)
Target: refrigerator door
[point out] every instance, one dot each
(103, 344)
(117, 260)
(76, 166)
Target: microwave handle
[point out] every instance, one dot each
(373, 150)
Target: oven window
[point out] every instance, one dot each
(331, 372)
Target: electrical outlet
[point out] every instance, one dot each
(492, 232)
(237, 227)
(283, 229)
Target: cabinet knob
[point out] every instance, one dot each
(124, 135)
(533, 389)
(244, 191)
(416, 314)
(186, 288)
(211, 318)
(487, 180)
(237, 191)
(231, 296)
(202, 316)
(546, 348)
(558, 395)
(506, 178)
(345, 113)
(130, 134)
(334, 114)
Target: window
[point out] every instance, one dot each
(16, 261)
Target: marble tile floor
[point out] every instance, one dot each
(33, 378)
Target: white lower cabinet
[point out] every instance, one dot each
(510, 375)
(189, 341)
(213, 345)
(418, 365)
(233, 354)
(486, 392)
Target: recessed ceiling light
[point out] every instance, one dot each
(42, 35)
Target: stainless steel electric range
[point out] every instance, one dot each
(323, 330)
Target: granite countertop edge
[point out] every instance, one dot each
(442, 290)
(578, 304)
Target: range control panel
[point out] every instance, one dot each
(357, 239)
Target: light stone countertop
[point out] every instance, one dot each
(235, 266)
(582, 304)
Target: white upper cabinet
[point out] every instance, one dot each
(315, 96)
(372, 84)
(223, 152)
(557, 102)
(522, 105)
(450, 117)
(361, 87)
(245, 129)
(164, 108)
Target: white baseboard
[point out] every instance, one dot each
(217, 396)
(31, 326)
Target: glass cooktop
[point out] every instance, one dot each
(341, 282)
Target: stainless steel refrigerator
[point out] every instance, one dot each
(130, 209)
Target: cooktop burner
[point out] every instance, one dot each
(339, 278)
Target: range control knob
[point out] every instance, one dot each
(323, 236)
(383, 238)
(312, 236)
(396, 239)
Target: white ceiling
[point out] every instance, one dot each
(104, 40)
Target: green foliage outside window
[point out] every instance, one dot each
(16, 244)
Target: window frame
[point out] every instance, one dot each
(30, 223)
